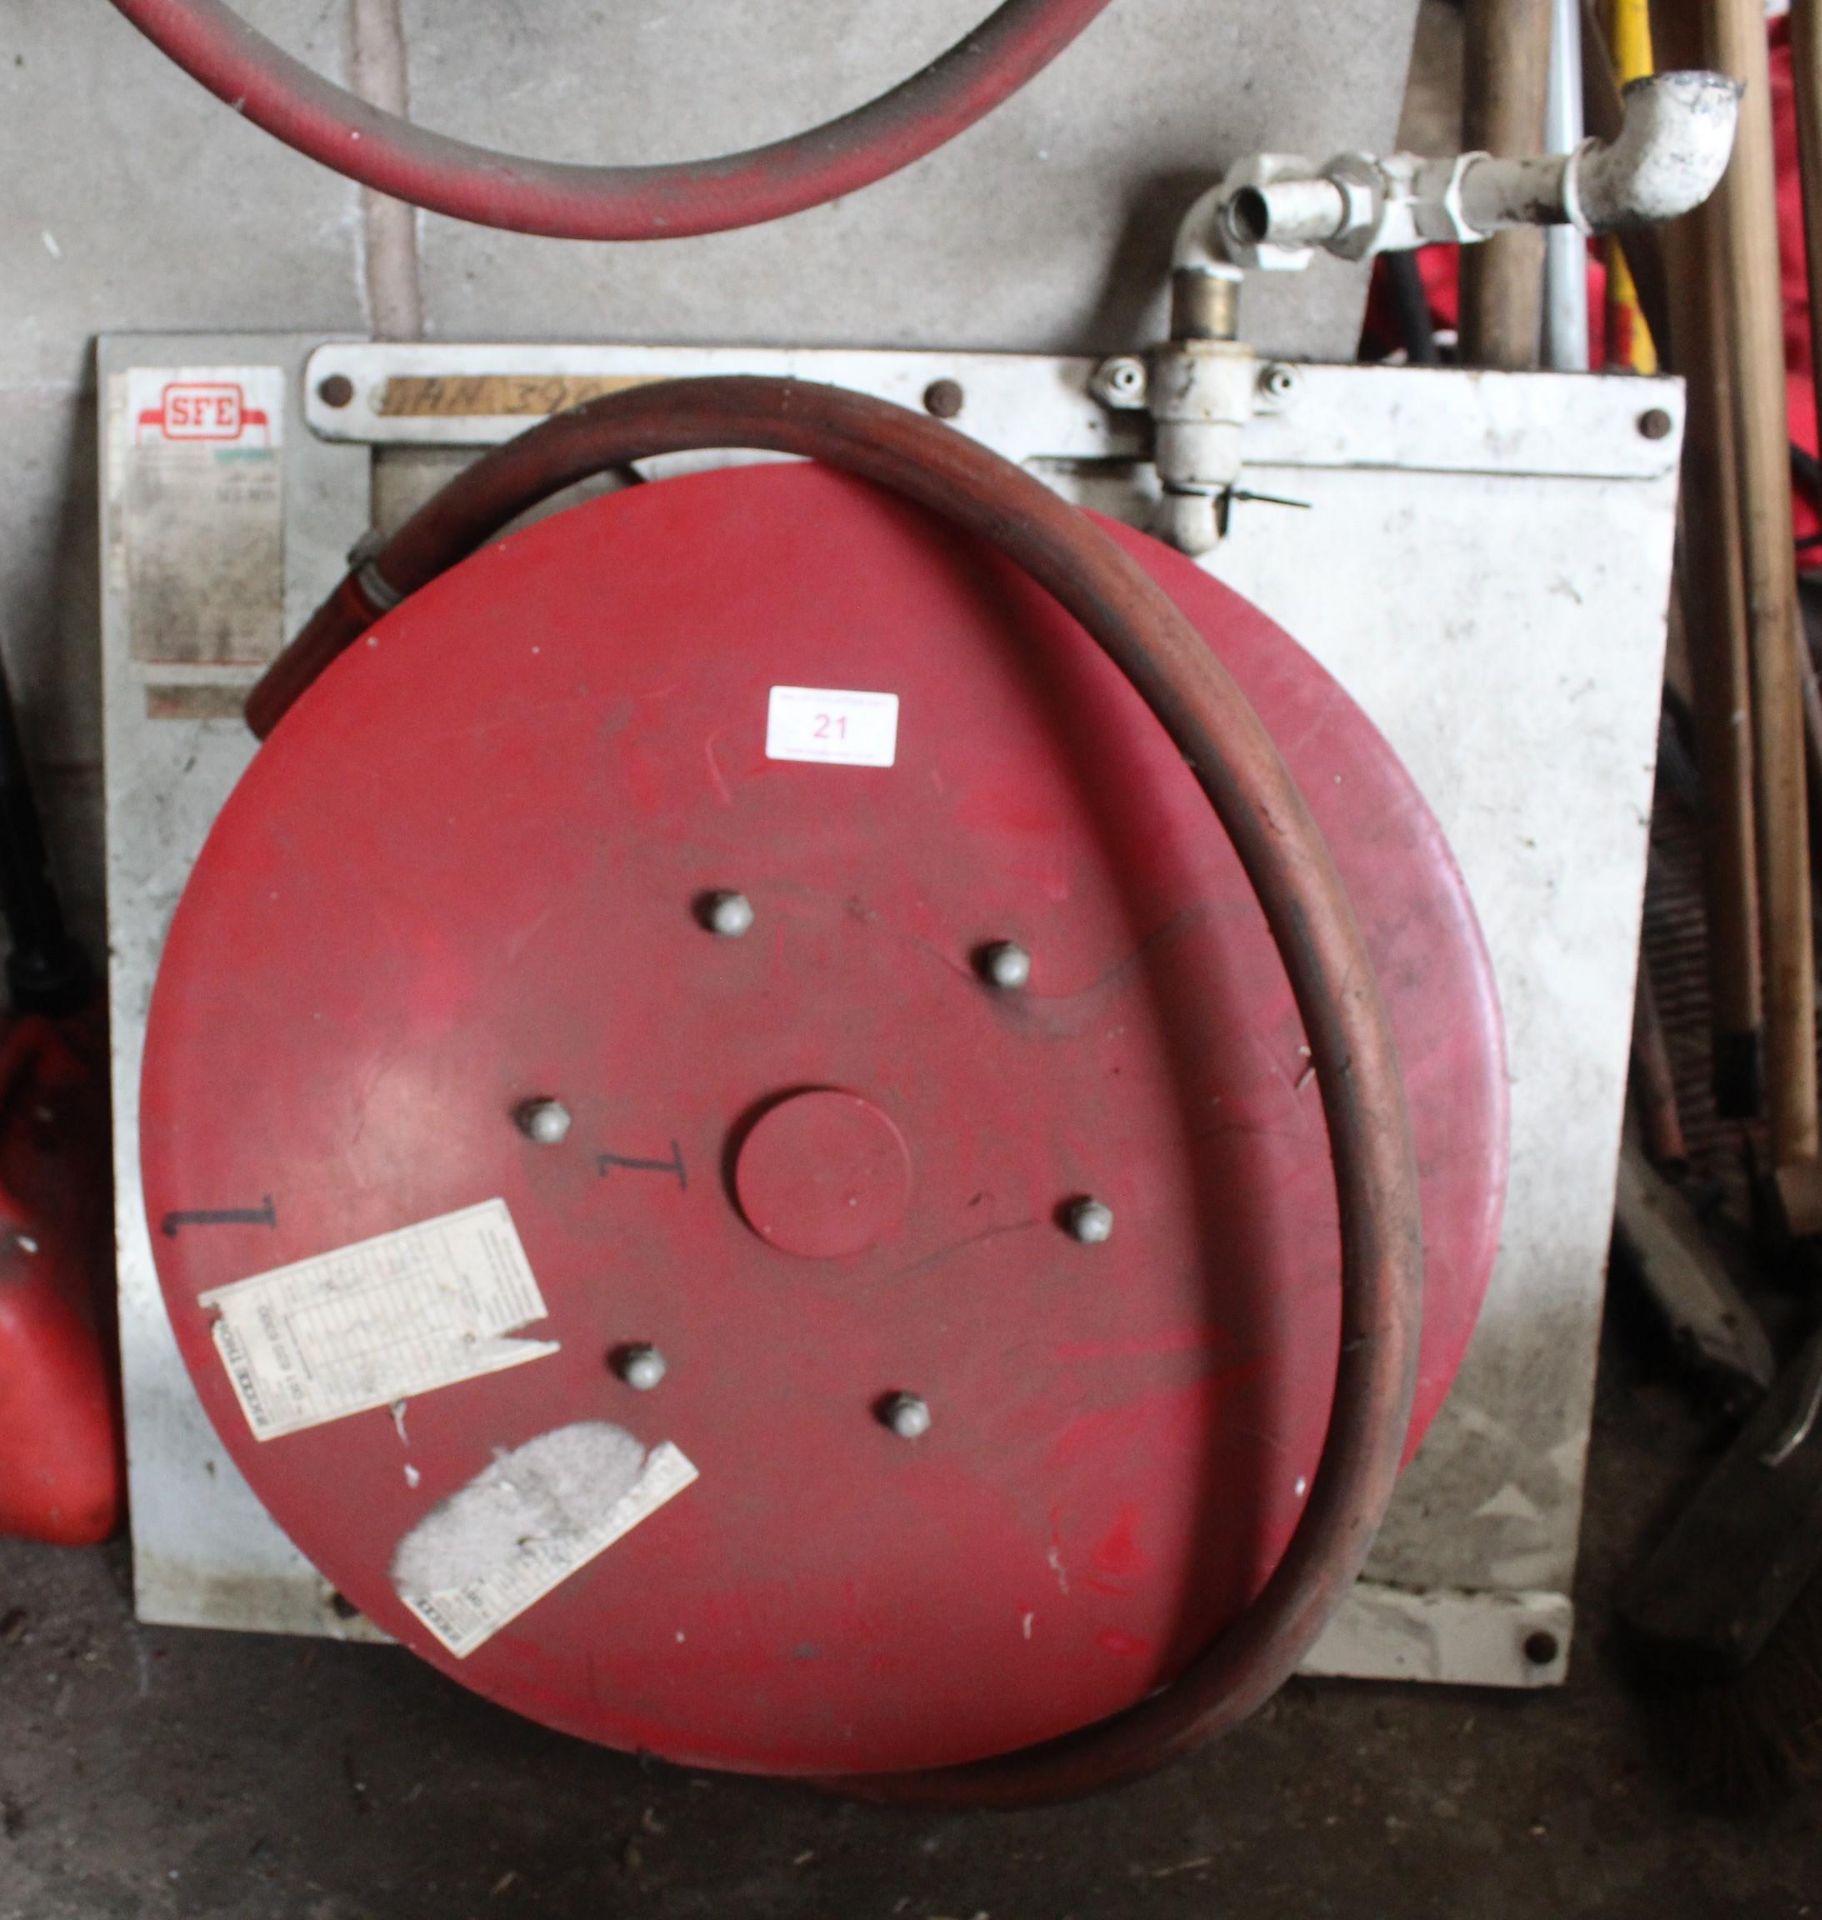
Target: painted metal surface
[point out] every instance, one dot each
(1522, 698)
(1288, 866)
(204, 1549)
(467, 865)
(1516, 1639)
(1029, 407)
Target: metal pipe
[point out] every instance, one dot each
(1505, 72)
(383, 151)
(1565, 250)
(1203, 237)
(1305, 905)
(1289, 213)
(1673, 148)
(1671, 153)
(1204, 304)
(1672, 135)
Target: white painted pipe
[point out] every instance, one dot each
(1670, 155)
(1275, 209)
(1672, 150)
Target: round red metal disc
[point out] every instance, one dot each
(827, 1162)
(823, 1173)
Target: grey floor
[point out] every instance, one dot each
(160, 1772)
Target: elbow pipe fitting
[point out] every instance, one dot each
(1267, 213)
(1671, 151)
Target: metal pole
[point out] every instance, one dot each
(1505, 80)
(1565, 251)
(1746, 207)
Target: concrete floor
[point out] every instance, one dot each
(149, 1772)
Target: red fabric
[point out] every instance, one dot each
(1799, 366)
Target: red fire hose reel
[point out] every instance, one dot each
(968, 1190)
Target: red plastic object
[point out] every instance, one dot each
(467, 871)
(60, 1453)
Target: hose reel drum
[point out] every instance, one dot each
(963, 1182)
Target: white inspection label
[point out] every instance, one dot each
(197, 473)
(822, 723)
(539, 1513)
(378, 1321)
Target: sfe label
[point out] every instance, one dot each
(203, 413)
(821, 723)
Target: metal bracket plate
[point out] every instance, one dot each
(1025, 406)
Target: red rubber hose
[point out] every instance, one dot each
(215, 46)
(1286, 860)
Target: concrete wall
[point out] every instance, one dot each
(133, 201)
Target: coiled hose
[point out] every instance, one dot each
(215, 46)
(1285, 858)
